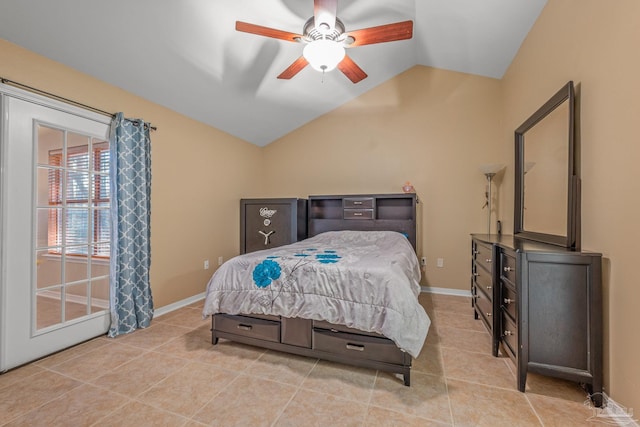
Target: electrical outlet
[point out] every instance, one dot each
(440, 262)
(423, 261)
(220, 260)
(206, 264)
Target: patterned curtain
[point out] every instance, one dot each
(131, 301)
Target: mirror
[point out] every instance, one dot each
(546, 185)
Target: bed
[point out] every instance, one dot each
(344, 295)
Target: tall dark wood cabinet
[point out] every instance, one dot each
(546, 307)
(268, 223)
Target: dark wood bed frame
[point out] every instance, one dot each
(319, 339)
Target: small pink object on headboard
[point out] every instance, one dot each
(408, 188)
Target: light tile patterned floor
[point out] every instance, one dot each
(170, 374)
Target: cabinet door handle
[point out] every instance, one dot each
(489, 314)
(488, 288)
(507, 269)
(509, 300)
(475, 252)
(355, 347)
(476, 274)
(508, 333)
(488, 260)
(244, 327)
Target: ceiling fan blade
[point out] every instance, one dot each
(383, 33)
(245, 27)
(294, 68)
(324, 12)
(351, 70)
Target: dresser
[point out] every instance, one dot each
(542, 305)
(268, 223)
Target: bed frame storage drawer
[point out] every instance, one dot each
(268, 330)
(321, 324)
(357, 346)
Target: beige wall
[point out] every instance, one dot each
(199, 174)
(431, 127)
(595, 44)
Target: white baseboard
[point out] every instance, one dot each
(178, 304)
(446, 291)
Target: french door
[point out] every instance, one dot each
(54, 253)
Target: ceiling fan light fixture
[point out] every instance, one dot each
(323, 54)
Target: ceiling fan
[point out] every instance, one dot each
(325, 40)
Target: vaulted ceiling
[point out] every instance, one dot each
(186, 55)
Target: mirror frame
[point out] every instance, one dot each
(572, 237)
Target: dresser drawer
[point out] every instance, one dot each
(357, 346)
(358, 202)
(508, 299)
(509, 334)
(484, 307)
(482, 280)
(508, 267)
(253, 327)
(483, 255)
(358, 214)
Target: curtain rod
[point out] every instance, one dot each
(60, 98)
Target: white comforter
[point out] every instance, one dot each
(367, 280)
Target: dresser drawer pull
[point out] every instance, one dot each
(488, 260)
(489, 314)
(357, 214)
(355, 202)
(244, 327)
(475, 252)
(507, 269)
(508, 333)
(488, 288)
(509, 300)
(476, 274)
(355, 347)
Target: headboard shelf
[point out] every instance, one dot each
(364, 212)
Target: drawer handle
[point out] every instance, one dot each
(488, 260)
(509, 300)
(489, 314)
(357, 214)
(244, 327)
(488, 288)
(476, 274)
(507, 269)
(508, 333)
(476, 252)
(355, 347)
(357, 203)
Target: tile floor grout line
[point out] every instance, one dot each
(299, 387)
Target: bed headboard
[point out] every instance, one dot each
(364, 212)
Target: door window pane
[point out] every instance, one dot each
(73, 226)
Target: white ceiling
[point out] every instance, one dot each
(187, 56)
